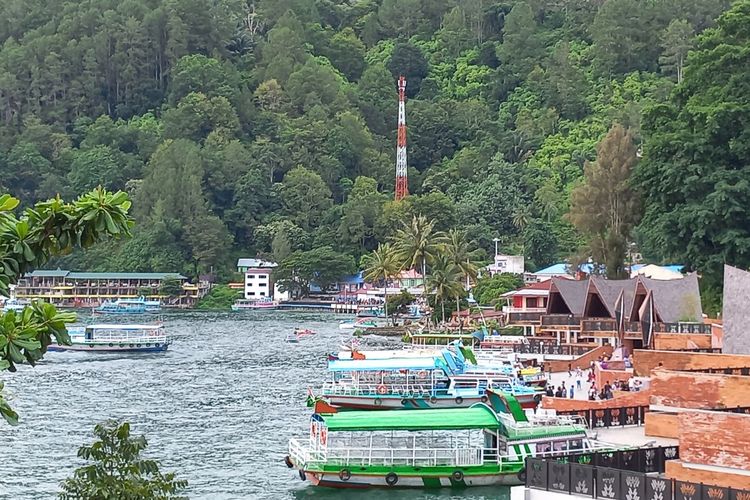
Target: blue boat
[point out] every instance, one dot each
(110, 338)
(129, 306)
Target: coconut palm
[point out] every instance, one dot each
(445, 280)
(416, 243)
(456, 245)
(382, 265)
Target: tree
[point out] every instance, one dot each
(416, 243)
(677, 40)
(118, 471)
(489, 289)
(408, 61)
(522, 45)
(444, 281)
(381, 265)
(170, 286)
(694, 177)
(321, 266)
(605, 208)
(304, 196)
(27, 242)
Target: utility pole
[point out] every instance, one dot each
(402, 184)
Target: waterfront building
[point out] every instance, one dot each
(409, 280)
(258, 279)
(83, 289)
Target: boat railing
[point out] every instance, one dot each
(128, 336)
(542, 420)
(416, 457)
(375, 390)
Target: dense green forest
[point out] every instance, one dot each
(246, 128)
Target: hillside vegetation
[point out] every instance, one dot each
(268, 127)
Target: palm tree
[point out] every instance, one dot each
(445, 281)
(382, 265)
(456, 245)
(416, 243)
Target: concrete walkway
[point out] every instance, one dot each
(580, 394)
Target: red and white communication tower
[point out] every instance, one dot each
(402, 184)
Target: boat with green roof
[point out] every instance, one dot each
(484, 445)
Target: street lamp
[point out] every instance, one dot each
(496, 240)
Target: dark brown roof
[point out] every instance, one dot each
(676, 300)
(609, 291)
(573, 292)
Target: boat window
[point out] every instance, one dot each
(575, 444)
(543, 447)
(561, 445)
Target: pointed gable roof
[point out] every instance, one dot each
(676, 300)
(572, 293)
(609, 291)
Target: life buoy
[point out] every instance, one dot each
(433, 399)
(457, 475)
(522, 475)
(313, 430)
(459, 400)
(422, 374)
(404, 402)
(382, 389)
(111, 344)
(345, 474)
(288, 462)
(391, 478)
(483, 399)
(377, 402)
(323, 436)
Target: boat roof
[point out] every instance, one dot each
(347, 365)
(112, 326)
(478, 416)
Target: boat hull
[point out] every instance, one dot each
(397, 402)
(110, 347)
(410, 477)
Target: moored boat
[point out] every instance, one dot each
(483, 445)
(116, 338)
(361, 323)
(13, 304)
(265, 303)
(303, 332)
(129, 306)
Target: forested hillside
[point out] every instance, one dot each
(244, 128)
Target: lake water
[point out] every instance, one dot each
(217, 409)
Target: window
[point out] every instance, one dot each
(262, 276)
(262, 294)
(250, 276)
(251, 293)
(263, 284)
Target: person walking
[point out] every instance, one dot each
(572, 392)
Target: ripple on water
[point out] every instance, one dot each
(217, 408)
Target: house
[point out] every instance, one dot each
(560, 270)
(639, 313)
(526, 305)
(512, 264)
(656, 272)
(409, 279)
(258, 280)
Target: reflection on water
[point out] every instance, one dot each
(217, 408)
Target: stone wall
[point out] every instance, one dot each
(704, 391)
(646, 360)
(736, 335)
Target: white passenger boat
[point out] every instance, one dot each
(116, 338)
(254, 304)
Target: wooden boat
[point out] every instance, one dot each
(263, 304)
(116, 338)
(484, 445)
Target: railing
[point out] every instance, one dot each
(611, 417)
(619, 483)
(511, 309)
(333, 389)
(598, 325)
(695, 328)
(561, 320)
(565, 349)
(525, 316)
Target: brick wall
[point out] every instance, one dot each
(699, 390)
(583, 361)
(666, 425)
(677, 341)
(714, 438)
(676, 470)
(621, 399)
(646, 360)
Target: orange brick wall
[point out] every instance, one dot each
(675, 470)
(621, 399)
(676, 341)
(664, 425)
(646, 360)
(699, 390)
(583, 361)
(714, 438)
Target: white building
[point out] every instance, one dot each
(512, 264)
(258, 280)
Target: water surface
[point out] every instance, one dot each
(217, 408)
